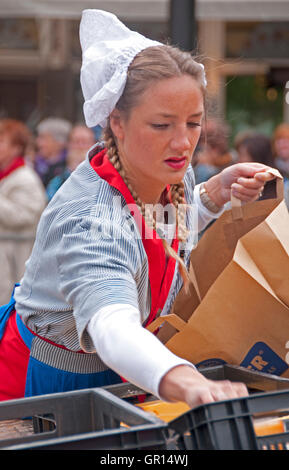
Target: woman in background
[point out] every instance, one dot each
(256, 148)
(80, 140)
(22, 200)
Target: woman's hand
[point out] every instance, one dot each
(184, 383)
(246, 180)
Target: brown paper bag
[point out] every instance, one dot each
(238, 307)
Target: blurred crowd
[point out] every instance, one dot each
(216, 150)
(35, 164)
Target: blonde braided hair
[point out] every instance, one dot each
(152, 64)
(177, 196)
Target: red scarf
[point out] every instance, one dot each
(161, 271)
(17, 162)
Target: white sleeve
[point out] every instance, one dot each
(129, 349)
(204, 215)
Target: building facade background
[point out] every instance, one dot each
(243, 43)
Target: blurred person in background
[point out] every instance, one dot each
(214, 154)
(240, 136)
(255, 148)
(52, 140)
(22, 200)
(31, 152)
(281, 155)
(80, 140)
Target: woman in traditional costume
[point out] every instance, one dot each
(105, 262)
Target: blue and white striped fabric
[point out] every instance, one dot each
(86, 256)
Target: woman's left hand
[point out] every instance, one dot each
(245, 180)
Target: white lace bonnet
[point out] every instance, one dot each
(108, 48)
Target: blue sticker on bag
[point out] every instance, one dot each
(263, 359)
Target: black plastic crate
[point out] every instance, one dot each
(84, 419)
(229, 424)
(254, 380)
(185, 434)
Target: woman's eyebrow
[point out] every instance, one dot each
(199, 114)
(194, 115)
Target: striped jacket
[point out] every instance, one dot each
(86, 256)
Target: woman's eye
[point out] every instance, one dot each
(160, 126)
(194, 124)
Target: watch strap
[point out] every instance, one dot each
(207, 201)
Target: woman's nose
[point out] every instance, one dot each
(180, 141)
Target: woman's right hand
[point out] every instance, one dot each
(186, 384)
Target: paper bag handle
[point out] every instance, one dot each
(193, 279)
(236, 203)
(172, 319)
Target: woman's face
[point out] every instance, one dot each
(47, 146)
(282, 148)
(8, 150)
(243, 155)
(157, 141)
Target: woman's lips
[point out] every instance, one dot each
(176, 162)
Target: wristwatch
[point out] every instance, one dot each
(207, 201)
